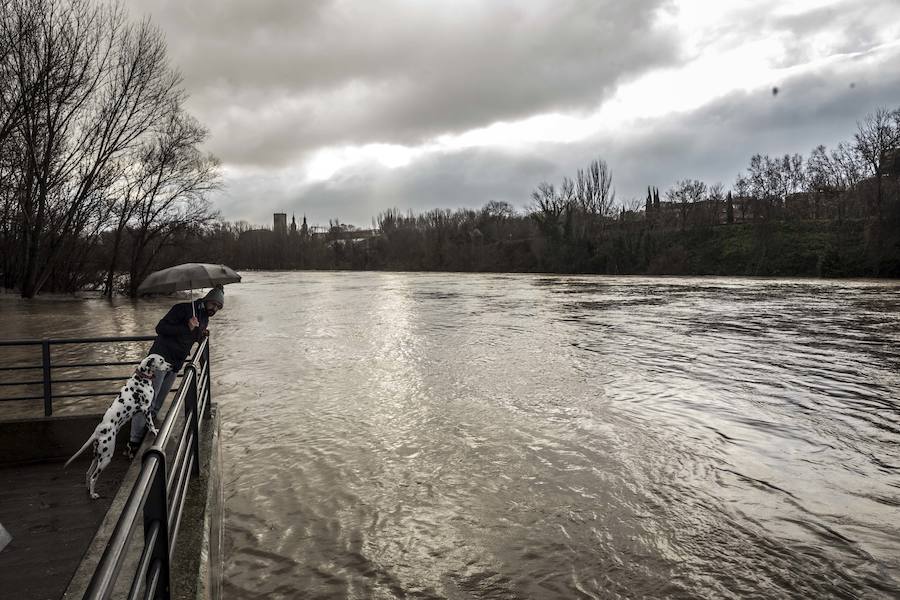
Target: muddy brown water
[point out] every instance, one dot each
(398, 435)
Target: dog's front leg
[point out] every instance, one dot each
(151, 427)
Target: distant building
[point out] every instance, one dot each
(293, 225)
(280, 224)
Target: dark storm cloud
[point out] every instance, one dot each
(274, 80)
(713, 143)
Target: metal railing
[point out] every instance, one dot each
(159, 494)
(47, 367)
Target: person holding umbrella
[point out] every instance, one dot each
(184, 324)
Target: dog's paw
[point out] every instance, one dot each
(131, 450)
(154, 430)
(95, 496)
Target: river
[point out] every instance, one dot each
(400, 435)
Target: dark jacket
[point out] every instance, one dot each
(173, 336)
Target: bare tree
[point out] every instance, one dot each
(684, 193)
(831, 175)
(793, 174)
(822, 176)
(498, 209)
(594, 191)
(876, 134)
(61, 63)
(170, 192)
(851, 167)
(716, 197)
(765, 184)
(17, 26)
(547, 207)
(87, 87)
(742, 189)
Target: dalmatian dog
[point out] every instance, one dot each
(135, 396)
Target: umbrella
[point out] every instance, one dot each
(187, 277)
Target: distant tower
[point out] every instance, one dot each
(293, 224)
(304, 229)
(280, 227)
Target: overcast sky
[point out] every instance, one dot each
(344, 108)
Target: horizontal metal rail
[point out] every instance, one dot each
(47, 367)
(115, 363)
(94, 364)
(87, 340)
(73, 395)
(22, 368)
(73, 380)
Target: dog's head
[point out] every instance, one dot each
(153, 363)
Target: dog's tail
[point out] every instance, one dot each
(83, 448)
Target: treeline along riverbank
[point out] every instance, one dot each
(786, 248)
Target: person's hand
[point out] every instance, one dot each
(193, 323)
(206, 333)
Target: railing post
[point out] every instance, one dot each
(156, 509)
(192, 419)
(48, 392)
(207, 401)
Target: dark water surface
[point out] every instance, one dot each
(503, 436)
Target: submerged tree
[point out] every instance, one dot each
(83, 90)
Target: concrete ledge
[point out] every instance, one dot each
(209, 571)
(46, 438)
(191, 562)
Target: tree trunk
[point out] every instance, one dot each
(113, 261)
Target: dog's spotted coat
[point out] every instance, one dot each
(135, 396)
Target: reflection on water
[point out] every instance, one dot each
(483, 436)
